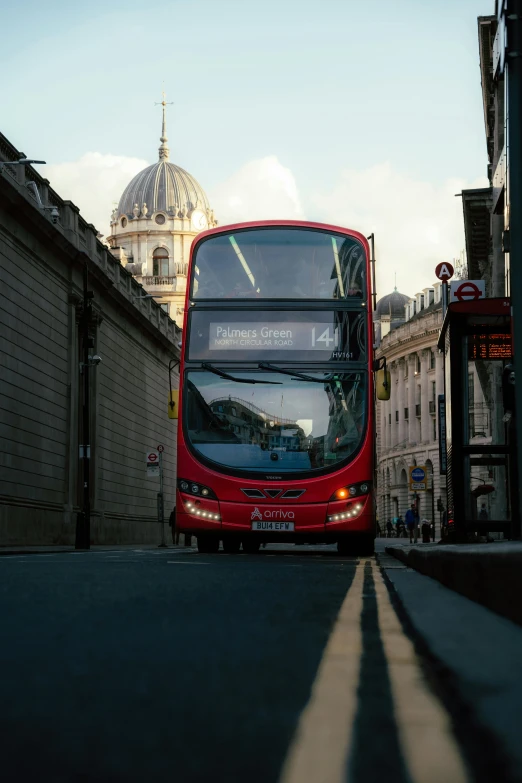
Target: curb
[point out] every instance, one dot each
(95, 550)
(493, 579)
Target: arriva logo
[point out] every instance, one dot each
(278, 513)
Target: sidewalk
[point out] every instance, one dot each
(52, 550)
(490, 574)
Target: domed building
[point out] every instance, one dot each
(407, 330)
(389, 313)
(159, 213)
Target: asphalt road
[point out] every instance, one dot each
(153, 665)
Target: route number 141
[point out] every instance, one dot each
(325, 338)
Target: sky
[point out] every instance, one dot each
(362, 114)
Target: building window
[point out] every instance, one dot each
(432, 360)
(160, 219)
(396, 415)
(123, 222)
(434, 422)
(165, 306)
(160, 262)
(389, 418)
(406, 368)
(406, 413)
(417, 364)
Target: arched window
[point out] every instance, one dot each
(160, 262)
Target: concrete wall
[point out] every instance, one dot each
(41, 290)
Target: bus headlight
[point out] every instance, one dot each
(353, 491)
(193, 488)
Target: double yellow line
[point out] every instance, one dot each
(323, 743)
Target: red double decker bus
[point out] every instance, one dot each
(276, 422)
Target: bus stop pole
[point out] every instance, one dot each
(514, 89)
(444, 298)
(161, 518)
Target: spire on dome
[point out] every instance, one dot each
(163, 150)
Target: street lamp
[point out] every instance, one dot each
(23, 161)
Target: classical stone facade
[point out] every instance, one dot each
(45, 245)
(407, 429)
(160, 212)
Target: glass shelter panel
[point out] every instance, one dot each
(488, 492)
(486, 356)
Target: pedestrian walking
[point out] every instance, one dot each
(483, 513)
(389, 529)
(411, 519)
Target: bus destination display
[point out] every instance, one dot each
(286, 335)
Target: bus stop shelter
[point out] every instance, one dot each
(478, 452)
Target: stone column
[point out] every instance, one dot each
(425, 397)
(386, 406)
(393, 405)
(412, 422)
(136, 254)
(143, 253)
(439, 372)
(400, 401)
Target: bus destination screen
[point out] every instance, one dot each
(330, 336)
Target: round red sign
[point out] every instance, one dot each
(152, 457)
(467, 292)
(444, 271)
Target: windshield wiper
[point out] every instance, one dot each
(228, 377)
(297, 375)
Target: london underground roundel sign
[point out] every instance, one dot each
(444, 271)
(467, 291)
(418, 474)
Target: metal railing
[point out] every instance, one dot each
(159, 280)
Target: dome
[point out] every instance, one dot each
(163, 187)
(392, 305)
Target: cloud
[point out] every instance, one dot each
(416, 224)
(262, 189)
(94, 182)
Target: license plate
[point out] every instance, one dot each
(285, 527)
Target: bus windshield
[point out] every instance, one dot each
(286, 425)
(279, 263)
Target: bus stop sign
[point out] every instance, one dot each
(467, 290)
(418, 478)
(444, 271)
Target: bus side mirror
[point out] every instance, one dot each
(173, 403)
(383, 384)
